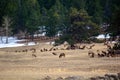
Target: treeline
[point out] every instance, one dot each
(79, 19)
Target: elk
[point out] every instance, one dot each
(41, 50)
(45, 49)
(24, 50)
(54, 53)
(105, 53)
(51, 49)
(68, 48)
(33, 50)
(108, 46)
(91, 54)
(100, 55)
(16, 51)
(83, 47)
(90, 47)
(111, 52)
(34, 55)
(62, 55)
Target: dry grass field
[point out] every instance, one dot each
(24, 66)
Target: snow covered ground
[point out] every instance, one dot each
(12, 42)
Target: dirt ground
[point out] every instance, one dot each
(24, 66)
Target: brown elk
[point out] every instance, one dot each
(83, 47)
(104, 53)
(108, 46)
(100, 54)
(111, 53)
(51, 49)
(16, 51)
(54, 53)
(33, 50)
(91, 54)
(45, 49)
(24, 50)
(41, 50)
(34, 55)
(90, 47)
(62, 55)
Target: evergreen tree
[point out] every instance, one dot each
(46, 3)
(114, 27)
(94, 9)
(7, 8)
(107, 6)
(28, 16)
(82, 28)
(33, 16)
(56, 19)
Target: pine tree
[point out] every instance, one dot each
(27, 17)
(94, 9)
(82, 28)
(56, 19)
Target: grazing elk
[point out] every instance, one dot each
(16, 51)
(54, 53)
(91, 54)
(54, 49)
(41, 50)
(68, 48)
(45, 49)
(108, 46)
(62, 55)
(51, 49)
(111, 53)
(72, 47)
(34, 55)
(25, 50)
(90, 46)
(104, 52)
(100, 54)
(33, 50)
(83, 47)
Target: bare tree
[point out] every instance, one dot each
(6, 23)
(1, 33)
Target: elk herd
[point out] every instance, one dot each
(34, 51)
(98, 53)
(108, 53)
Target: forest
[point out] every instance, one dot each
(74, 20)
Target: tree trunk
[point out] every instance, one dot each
(6, 34)
(1, 39)
(6, 28)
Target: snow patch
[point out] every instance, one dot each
(12, 42)
(102, 36)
